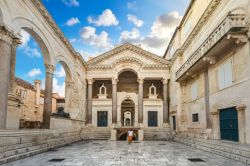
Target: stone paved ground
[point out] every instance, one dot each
(94, 153)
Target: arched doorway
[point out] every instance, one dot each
(127, 113)
(127, 82)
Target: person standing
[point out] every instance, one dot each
(130, 135)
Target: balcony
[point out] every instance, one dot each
(230, 34)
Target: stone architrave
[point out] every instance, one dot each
(47, 107)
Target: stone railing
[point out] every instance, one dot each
(234, 23)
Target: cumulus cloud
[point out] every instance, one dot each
(132, 36)
(71, 3)
(107, 18)
(72, 21)
(31, 52)
(161, 31)
(34, 72)
(135, 20)
(73, 40)
(101, 41)
(60, 73)
(58, 88)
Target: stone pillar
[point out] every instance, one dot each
(114, 101)
(12, 84)
(165, 101)
(37, 84)
(47, 107)
(215, 124)
(207, 102)
(140, 101)
(6, 40)
(241, 123)
(89, 109)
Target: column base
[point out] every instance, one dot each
(113, 135)
(141, 125)
(166, 125)
(140, 135)
(113, 125)
(14, 112)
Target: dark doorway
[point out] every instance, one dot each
(127, 113)
(229, 124)
(152, 118)
(102, 118)
(174, 123)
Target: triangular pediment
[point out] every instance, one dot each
(127, 53)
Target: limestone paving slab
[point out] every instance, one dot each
(111, 153)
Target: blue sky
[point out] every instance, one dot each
(95, 26)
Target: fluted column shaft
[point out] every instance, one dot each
(47, 107)
(140, 101)
(114, 101)
(6, 40)
(165, 102)
(89, 105)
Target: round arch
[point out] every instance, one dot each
(128, 105)
(66, 66)
(21, 23)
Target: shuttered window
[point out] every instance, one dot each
(225, 76)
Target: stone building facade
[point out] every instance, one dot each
(210, 60)
(199, 87)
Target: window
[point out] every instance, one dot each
(225, 76)
(23, 93)
(194, 90)
(195, 117)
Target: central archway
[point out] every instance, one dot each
(128, 113)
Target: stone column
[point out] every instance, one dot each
(12, 84)
(140, 101)
(207, 102)
(89, 109)
(241, 123)
(114, 100)
(6, 39)
(47, 107)
(215, 124)
(165, 101)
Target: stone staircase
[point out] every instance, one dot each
(160, 134)
(15, 145)
(228, 149)
(90, 133)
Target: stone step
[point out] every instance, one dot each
(230, 150)
(37, 151)
(95, 134)
(158, 134)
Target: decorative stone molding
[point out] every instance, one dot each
(114, 81)
(102, 92)
(140, 80)
(69, 84)
(230, 23)
(152, 92)
(164, 81)
(90, 81)
(203, 20)
(241, 108)
(128, 46)
(7, 35)
(43, 11)
(50, 68)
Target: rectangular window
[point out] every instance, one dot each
(195, 117)
(225, 75)
(194, 91)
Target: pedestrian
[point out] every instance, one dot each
(130, 135)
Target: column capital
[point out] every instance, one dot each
(140, 80)
(241, 108)
(50, 68)
(164, 81)
(69, 84)
(90, 81)
(7, 35)
(115, 80)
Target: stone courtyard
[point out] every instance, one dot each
(93, 153)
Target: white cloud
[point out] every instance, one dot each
(73, 40)
(72, 21)
(34, 72)
(161, 32)
(60, 73)
(71, 3)
(32, 52)
(101, 41)
(25, 38)
(58, 88)
(132, 5)
(135, 20)
(130, 36)
(107, 18)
